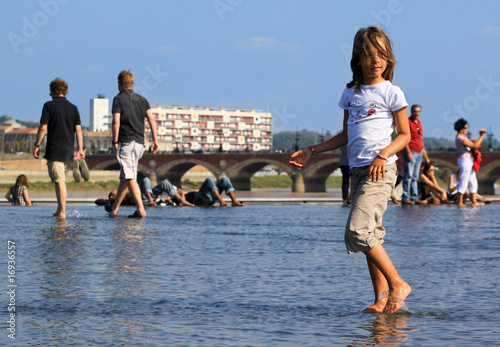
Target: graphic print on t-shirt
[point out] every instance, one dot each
(358, 111)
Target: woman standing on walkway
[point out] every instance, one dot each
(466, 161)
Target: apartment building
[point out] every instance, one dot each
(212, 129)
(100, 117)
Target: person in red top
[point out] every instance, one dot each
(413, 154)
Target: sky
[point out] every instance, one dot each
(287, 57)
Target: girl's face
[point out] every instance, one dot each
(431, 171)
(465, 129)
(373, 65)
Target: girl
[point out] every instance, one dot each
(372, 107)
(466, 161)
(429, 181)
(18, 193)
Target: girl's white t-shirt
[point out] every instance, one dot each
(371, 123)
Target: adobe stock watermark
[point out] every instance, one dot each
(31, 26)
(469, 104)
(223, 6)
(382, 18)
(281, 119)
(151, 81)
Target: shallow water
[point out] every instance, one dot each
(251, 276)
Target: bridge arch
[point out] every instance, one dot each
(487, 177)
(111, 164)
(444, 163)
(242, 172)
(316, 174)
(173, 171)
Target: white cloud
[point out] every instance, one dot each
(491, 31)
(267, 43)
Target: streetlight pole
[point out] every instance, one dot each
(297, 137)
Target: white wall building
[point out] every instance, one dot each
(100, 117)
(208, 129)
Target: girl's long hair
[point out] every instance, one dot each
(363, 39)
(22, 180)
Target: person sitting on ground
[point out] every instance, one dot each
(208, 194)
(18, 193)
(431, 188)
(453, 180)
(150, 195)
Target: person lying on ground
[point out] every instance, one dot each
(150, 195)
(209, 193)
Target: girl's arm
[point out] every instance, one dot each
(8, 196)
(431, 182)
(26, 197)
(377, 168)
(304, 155)
(477, 144)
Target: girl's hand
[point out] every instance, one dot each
(301, 157)
(482, 132)
(377, 169)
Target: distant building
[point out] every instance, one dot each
(97, 141)
(11, 122)
(21, 140)
(210, 129)
(100, 117)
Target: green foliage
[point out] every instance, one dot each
(188, 184)
(271, 182)
(286, 182)
(71, 186)
(286, 140)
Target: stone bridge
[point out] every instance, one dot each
(240, 167)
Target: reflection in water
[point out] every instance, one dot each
(61, 259)
(387, 330)
(129, 259)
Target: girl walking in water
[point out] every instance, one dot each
(373, 107)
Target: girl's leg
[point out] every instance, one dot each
(398, 289)
(379, 287)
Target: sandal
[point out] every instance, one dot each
(76, 172)
(84, 169)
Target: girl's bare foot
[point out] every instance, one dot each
(396, 297)
(236, 203)
(377, 307)
(477, 204)
(460, 205)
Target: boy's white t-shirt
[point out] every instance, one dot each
(371, 123)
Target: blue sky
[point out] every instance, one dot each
(285, 56)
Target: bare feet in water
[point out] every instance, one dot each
(377, 307)
(396, 297)
(59, 214)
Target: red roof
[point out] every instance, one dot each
(24, 131)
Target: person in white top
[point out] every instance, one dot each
(466, 162)
(373, 108)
